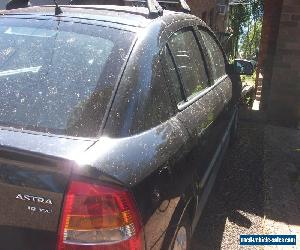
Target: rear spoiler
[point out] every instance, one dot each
(154, 7)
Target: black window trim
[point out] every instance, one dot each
(182, 89)
(207, 30)
(187, 102)
(207, 70)
(162, 61)
(207, 63)
(183, 105)
(213, 83)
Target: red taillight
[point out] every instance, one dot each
(99, 218)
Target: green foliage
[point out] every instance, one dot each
(241, 18)
(248, 80)
(250, 41)
(238, 16)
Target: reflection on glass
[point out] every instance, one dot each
(55, 75)
(20, 71)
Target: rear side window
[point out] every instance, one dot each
(172, 77)
(190, 62)
(215, 55)
(154, 102)
(56, 76)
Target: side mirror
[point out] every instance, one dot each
(243, 67)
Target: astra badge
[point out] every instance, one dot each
(37, 199)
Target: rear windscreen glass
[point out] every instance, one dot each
(58, 77)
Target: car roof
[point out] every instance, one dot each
(125, 15)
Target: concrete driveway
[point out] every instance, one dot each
(257, 190)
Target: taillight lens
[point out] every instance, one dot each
(97, 217)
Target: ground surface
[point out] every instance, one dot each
(257, 190)
(282, 182)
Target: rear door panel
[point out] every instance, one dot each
(200, 118)
(218, 64)
(201, 109)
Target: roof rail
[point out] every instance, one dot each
(155, 7)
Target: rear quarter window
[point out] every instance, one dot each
(156, 106)
(172, 77)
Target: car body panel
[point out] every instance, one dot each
(202, 120)
(45, 144)
(169, 167)
(31, 195)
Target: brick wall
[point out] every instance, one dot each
(284, 98)
(270, 27)
(207, 11)
(199, 7)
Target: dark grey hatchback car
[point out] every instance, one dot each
(114, 121)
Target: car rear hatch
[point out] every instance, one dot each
(57, 77)
(34, 174)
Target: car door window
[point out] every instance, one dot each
(189, 61)
(215, 55)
